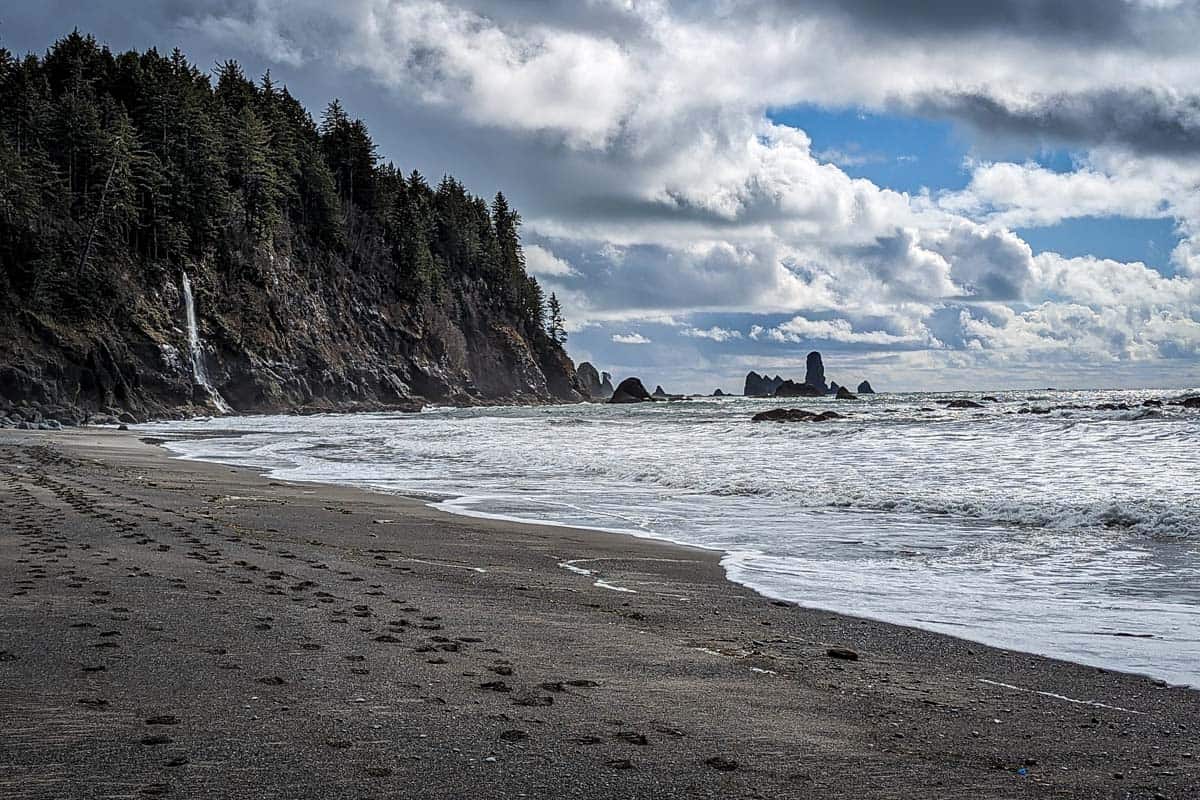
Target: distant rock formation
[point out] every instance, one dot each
(591, 383)
(794, 415)
(845, 394)
(962, 404)
(718, 393)
(631, 390)
(760, 385)
(659, 393)
(606, 387)
(793, 389)
(814, 373)
(814, 383)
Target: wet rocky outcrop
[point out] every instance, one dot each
(794, 415)
(843, 393)
(865, 388)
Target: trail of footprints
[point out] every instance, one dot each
(387, 625)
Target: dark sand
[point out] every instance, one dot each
(188, 630)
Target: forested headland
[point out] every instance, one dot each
(323, 276)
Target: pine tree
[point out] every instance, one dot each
(555, 327)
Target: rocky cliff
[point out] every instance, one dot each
(290, 342)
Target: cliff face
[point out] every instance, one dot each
(291, 340)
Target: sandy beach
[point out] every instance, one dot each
(187, 630)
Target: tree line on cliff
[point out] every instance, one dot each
(118, 167)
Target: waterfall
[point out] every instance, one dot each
(199, 373)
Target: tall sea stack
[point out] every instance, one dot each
(814, 374)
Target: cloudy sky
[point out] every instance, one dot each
(934, 193)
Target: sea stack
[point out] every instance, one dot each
(865, 388)
(814, 373)
(631, 390)
(590, 380)
(760, 385)
(606, 387)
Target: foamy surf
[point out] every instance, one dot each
(1029, 531)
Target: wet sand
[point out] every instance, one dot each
(178, 629)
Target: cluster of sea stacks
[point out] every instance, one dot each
(814, 384)
(597, 386)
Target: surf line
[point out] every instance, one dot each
(1061, 697)
(599, 583)
(480, 570)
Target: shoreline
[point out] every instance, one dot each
(693, 686)
(445, 503)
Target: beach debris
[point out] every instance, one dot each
(619, 763)
(156, 739)
(513, 735)
(632, 737)
(842, 653)
(163, 719)
(722, 764)
(496, 686)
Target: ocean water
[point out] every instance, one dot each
(1074, 534)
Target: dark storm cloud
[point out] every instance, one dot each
(1143, 120)
(1099, 21)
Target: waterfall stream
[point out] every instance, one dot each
(199, 373)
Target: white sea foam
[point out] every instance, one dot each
(1037, 532)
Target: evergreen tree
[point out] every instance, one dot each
(555, 327)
